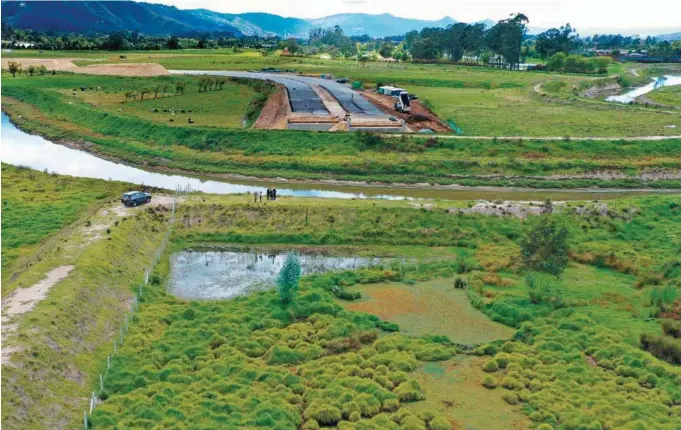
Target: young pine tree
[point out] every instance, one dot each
(289, 275)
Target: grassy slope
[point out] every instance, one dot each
(668, 96)
(304, 155)
(36, 205)
(64, 339)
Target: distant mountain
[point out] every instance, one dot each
(157, 19)
(357, 24)
(670, 37)
(108, 16)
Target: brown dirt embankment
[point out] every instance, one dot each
(275, 112)
(67, 65)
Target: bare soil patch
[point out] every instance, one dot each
(131, 69)
(419, 118)
(50, 64)
(276, 110)
(22, 300)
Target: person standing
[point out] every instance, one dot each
(255, 197)
(260, 196)
(269, 194)
(274, 193)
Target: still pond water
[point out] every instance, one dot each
(225, 274)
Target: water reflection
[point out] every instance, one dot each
(225, 274)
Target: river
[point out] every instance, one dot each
(629, 97)
(22, 149)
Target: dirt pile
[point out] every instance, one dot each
(419, 118)
(66, 64)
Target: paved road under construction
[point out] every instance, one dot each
(303, 98)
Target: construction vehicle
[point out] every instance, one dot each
(403, 104)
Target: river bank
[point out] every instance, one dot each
(86, 161)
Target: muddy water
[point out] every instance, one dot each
(228, 273)
(22, 149)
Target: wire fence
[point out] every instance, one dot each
(134, 306)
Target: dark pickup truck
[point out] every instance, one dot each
(134, 198)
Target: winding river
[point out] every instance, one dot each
(22, 149)
(663, 81)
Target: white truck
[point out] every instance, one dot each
(403, 104)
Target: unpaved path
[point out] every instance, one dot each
(23, 300)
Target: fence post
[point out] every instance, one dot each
(126, 322)
(101, 383)
(114, 346)
(108, 359)
(92, 402)
(84, 419)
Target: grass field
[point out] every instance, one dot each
(433, 307)
(38, 106)
(481, 101)
(37, 205)
(668, 96)
(254, 362)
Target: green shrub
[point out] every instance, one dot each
(412, 423)
(355, 416)
(439, 423)
(391, 405)
(389, 326)
(511, 398)
(672, 328)
(311, 425)
(432, 353)
(324, 414)
(489, 381)
(512, 383)
(490, 365)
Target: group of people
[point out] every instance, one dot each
(271, 195)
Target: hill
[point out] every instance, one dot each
(155, 19)
(356, 24)
(670, 37)
(109, 16)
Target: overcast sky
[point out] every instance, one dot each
(585, 15)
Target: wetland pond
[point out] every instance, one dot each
(227, 273)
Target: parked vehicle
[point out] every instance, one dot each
(342, 80)
(135, 198)
(413, 97)
(402, 104)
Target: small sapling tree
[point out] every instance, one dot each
(289, 275)
(13, 68)
(544, 246)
